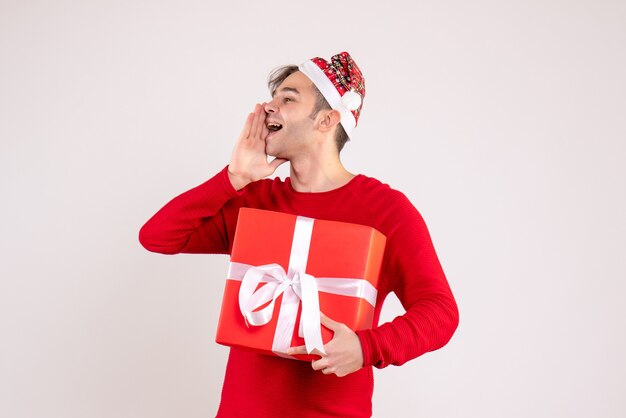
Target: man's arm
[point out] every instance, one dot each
(197, 221)
(418, 280)
(431, 316)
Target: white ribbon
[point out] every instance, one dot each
(299, 287)
(295, 286)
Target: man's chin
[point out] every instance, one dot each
(276, 155)
(271, 153)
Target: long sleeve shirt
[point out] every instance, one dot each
(203, 220)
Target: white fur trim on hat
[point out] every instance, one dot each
(330, 93)
(351, 100)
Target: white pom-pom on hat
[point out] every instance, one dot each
(334, 77)
(351, 100)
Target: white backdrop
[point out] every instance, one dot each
(503, 122)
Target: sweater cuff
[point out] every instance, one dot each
(227, 191)
(366, 346)
(229, 184)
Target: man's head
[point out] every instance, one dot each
(279, 75)
(331, 91)
(293, 130)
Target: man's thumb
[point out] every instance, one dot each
(276, 162)
(329, 323)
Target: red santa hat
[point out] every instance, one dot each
(341, 83)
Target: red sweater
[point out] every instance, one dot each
(203, 219)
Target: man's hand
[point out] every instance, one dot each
(248, 162)
(344, 354)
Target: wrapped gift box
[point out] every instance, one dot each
(342, 260)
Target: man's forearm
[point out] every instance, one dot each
(186, 224)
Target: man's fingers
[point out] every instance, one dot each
(261, 126)
(245, 132)
(320, 364)
(253, 122)
(264, 131)
(259, 121)
(297, 350)
(330, 324)
(301, 349)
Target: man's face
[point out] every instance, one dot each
(288, 117)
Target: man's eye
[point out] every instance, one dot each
(287, 99)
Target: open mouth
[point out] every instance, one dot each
(273, 127)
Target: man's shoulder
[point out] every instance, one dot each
(372, 187)
(385, 201)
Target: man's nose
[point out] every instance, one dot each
(269, 107)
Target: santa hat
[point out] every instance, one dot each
(341, 83)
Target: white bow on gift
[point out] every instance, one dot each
(295, 286)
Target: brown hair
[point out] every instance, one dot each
(279, 75)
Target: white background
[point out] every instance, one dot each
(503, 122)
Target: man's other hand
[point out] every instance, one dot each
(248, 162)
(344, 354)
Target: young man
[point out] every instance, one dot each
(313, 112)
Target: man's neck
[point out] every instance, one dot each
(314, 175)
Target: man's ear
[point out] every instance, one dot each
(329, 119)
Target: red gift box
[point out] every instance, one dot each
(285, 269)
